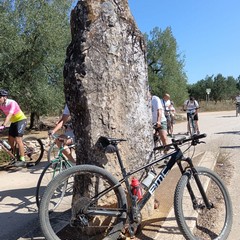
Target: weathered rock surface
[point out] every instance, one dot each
(106, 83)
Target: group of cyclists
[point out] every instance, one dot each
(18, 122)
(163, 117)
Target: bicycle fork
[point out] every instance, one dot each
(194, 174)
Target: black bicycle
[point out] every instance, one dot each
(96, 205)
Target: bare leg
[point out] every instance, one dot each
(197, 127)
(163, 136)
(11, 141)
(66, 151)
(20, 146)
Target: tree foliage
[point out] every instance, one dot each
(222, 88)
(165, 65)
(34, 36)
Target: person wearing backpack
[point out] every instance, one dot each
(192, 105)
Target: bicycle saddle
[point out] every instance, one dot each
(108, 144)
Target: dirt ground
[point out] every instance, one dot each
(225, 168)
(17, 201)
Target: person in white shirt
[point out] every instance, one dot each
(238, 99)
(68, 132)
(159, 119)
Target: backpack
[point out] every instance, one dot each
(194, 103)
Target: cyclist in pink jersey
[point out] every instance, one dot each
(18, 124)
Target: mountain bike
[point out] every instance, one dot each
(96, 205)
(53, 168)
(33, 152)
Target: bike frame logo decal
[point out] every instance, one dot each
(159, 179)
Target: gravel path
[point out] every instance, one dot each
(17, 197)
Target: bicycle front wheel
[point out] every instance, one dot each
(194, 219)
(93, 206)
(51, 170)
(191, 126)
(33, 150)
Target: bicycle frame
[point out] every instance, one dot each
(136, 206)
(9, 152)
(176, 156)
(61, 159)
(12, 153)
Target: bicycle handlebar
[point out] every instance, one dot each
(177, 142)
(193, 138)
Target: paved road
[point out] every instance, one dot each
(18, 211)
(223, 136)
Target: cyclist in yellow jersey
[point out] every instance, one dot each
(18, 124)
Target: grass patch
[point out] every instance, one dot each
(4, 158)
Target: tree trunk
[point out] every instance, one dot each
(34, 120)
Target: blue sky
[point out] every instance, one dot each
(207, 32)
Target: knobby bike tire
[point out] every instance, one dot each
(90, 211)
(33, 148)
(51, 170)
(196, 221)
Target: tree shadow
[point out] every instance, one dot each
(229, 132)
(150, 228)
(32, 169)
(19, 213)
(233, 133)
(232, 116)
(229, 147)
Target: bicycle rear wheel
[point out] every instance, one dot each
(51, 170)
(89, 209)
(33, 150)
(195, 221)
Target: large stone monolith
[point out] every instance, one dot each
(106, 83)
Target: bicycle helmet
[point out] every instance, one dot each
(3, 93)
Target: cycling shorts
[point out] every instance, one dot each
(195, 117)
(70, 134)
(17, 129)
(163, 126)
(170, 118)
